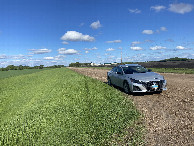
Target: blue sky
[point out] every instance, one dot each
(52, 32)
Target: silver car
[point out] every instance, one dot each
(135, 78)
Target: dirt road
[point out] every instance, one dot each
(169, 116)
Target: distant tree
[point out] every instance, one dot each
(36, 67)
(20, 67)
(174, 59)
(86, 64)
(41, 66)
(11, 67)
(4, 69)
(77, 64)
(26, 67)
(162, 61)
(59, 66)
(71, 65)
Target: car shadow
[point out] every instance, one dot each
(134, 94)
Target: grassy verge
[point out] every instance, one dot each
(12, 73)
(61, 107)
(173, 70)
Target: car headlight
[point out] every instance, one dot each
(135, 81)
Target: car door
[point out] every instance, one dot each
(112, 75)
(119, 77)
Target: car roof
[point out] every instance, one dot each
(126, 65)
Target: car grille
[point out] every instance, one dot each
(148, 85)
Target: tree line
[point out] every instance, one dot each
(175, 59)
(77, 64)
(21, 67)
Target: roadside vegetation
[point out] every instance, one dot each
(62, 107)
(21, 67)
(173, 70)
(13, 73)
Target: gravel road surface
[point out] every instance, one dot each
(169, 116)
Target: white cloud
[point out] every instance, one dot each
(96, 25)
(115, 41)
(76, 36)
(149, 41)
(180, 8)
(158, 8)
(157, 48)
(65, 43)
(110, 49)
(111, 56)
(67, 51)
(163, 28)
(59, 57)
(86, 51)
(135, 43)
(48, 58)
(39, 51)
(3, 56)
(136, 11)
(180, 47)
(94, 48)
(20, 56)
(147, 32)
(136, 48)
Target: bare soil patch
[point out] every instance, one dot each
(168, 116)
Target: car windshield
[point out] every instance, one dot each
(134, 69)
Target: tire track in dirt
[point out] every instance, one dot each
(169, 116)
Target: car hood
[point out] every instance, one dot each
(148, 76)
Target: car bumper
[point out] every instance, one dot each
(151, 86)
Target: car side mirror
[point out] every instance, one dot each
(149, 70)
(119, 72)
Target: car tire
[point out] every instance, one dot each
(158, 92)
(126, 87)
(109, 82)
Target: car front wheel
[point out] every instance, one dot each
(126, 87)
(109, 82)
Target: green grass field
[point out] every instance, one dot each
(61, 107)
(174, 70)
(12, 73)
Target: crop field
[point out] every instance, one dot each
(12, 73)
(174, 70)
(62, 107)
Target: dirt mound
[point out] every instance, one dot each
(169, 116)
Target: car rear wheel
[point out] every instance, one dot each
(109, 82)
(126, 87)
